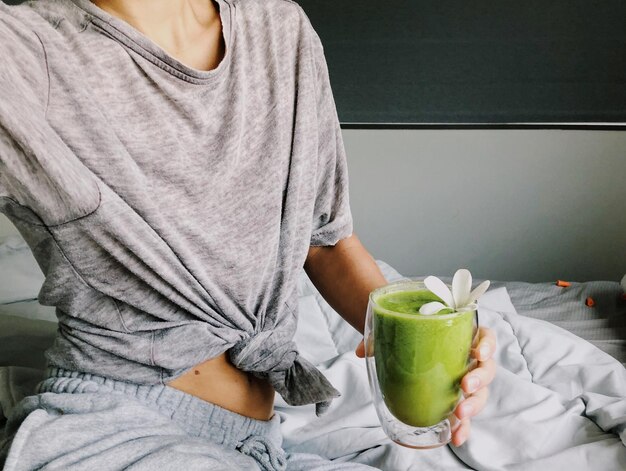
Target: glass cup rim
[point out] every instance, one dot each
(412, 281)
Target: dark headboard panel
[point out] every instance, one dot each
(405, 63)
(474, 61)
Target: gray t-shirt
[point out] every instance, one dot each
(171, 209)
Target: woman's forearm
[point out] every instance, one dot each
(345, 274)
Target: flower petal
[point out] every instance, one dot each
(479, 291)
(461, 287)
(429, 309)
(439, 288)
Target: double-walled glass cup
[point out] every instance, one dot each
(415, 363)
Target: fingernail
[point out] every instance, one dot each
(467, 410)
(473, 383)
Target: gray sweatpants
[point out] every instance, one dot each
(85, 422)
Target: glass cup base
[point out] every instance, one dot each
(403, 434)
(421, 437)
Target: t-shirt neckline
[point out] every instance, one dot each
(126, 34)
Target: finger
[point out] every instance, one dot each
(486, 345)
(473, 405)
(360, 350)
(479, 377)
(461, 434)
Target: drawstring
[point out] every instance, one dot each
(264, 452)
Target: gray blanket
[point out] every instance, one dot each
(603, 324)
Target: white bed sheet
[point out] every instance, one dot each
(558, 403)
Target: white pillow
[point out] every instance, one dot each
(20, 276)
(312, 333)
(30, 309)
(25, 335)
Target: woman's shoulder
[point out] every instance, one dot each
(39, 17)
(284, 19)
(26, 15)
(20, 42)
(28, 33)
(283, 6)
(277, 12)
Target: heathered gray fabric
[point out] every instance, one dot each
(169, 208)
(85, 422)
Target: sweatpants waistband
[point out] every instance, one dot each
(196, 416)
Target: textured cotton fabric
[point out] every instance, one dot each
(85, 422)
(170, 209)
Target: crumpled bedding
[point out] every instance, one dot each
(603, 324)
(558, 402)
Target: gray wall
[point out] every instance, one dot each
(509, 205)
(529, 205)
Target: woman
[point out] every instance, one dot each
(173, 164)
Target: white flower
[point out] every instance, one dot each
(461, 298)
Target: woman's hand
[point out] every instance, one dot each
(474, 383)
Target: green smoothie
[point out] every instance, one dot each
(420, 359)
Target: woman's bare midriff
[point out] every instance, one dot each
(218, 381)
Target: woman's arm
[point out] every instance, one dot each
(346, 273)
(37, 168)
(23, 92)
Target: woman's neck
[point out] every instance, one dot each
(189, 30)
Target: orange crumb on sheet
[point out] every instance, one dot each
(563, 284)
(590, 302)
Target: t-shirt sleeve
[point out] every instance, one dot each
(332, 218)
(23, 95)
(37, 169)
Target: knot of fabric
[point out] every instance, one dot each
(273, 355)
(263, 451)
